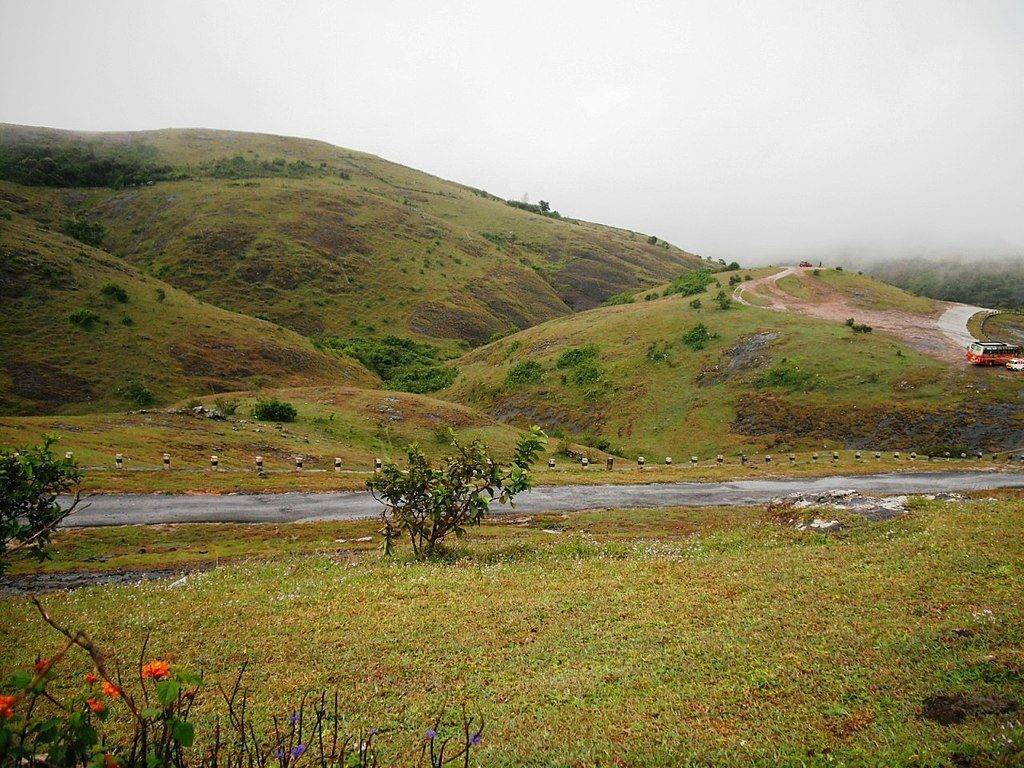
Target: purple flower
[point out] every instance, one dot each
(279, 753)
(297, 751)
(294, 718)
(475, 741)
(431, 734)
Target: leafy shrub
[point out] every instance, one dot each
(32, 481)
(576, 355)
(695, 304)
(543, 211)
(138, 394)
(690, 283)
(403, 364)
(115, 292)
(788, 376)
(428, 504)
(273, 409)
(241, 167)
(723, 301)
(228, 407)
(586, 373)
(697, 337)
(657, 352)
(653, 240)
(161, 294)
(733, 265)
(84, 318)
(88, 232)
(526, 372)
(127, 321)
(735, 279)
(626, 297)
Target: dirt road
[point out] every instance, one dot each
(942, 334)
(306, 507)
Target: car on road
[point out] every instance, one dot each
(1016, 364)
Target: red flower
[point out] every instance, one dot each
(96, 706)
(91, 678)
(42, 666)
(7, 706)
(110, 689)
(157, 670)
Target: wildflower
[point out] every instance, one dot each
(297, 751)
(279, 753)
(475, 741)
(431, 734)
(157, 670)
(294, 718)
(110, 689)
(91, 678)
(7, 706)
(96, 706)
(109, 761)
(42, 666)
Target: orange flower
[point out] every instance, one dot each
(110, 689)
(91, 678)
(42, 666)
(97, 706)
(109, 761)
(7, 706)
(158, 670)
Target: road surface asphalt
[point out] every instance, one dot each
(152, 509)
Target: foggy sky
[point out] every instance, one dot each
(756, 131)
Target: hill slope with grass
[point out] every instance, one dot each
(677, 375)
(324, 240)
(84, 331)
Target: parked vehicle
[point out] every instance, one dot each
(1016, 364)
(806, 264)
(993, 352)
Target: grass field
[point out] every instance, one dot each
(870, 293)
(654, 637)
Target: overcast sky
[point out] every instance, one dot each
(757, 131)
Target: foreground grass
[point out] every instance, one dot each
(650, 637)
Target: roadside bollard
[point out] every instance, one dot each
(259, 464)
(913, 456)
(896, 455)
(68, 455)
(585, 462)
(857, 455)
(814, 456)
(377, 464)
(119, 460)
(768, 459)
(835, 456)
(792, 458)
(946, 455)
(743, 459)
(337, 464)
(693, 461)
(551, 463)
(167, 461)
(668, 459)
(719, 458)
(609, 463)
(214, 462)
(640, 462)
(298, 463)
(980, 455)
(878, 454)
(963, 455)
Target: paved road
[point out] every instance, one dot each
(305, 507)
(953, 323)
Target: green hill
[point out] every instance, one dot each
(84, 331)
(321, 239)
(662, 377)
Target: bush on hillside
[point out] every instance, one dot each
(787, 376)
(576, 356)
(138, 394)
(88, 232)
(723, 301)
(78, 166)
(526, 372)
(626, 297)
(84, 318)
(273, 409)
(428, 504)
(115, 292)
(32, 482)
(697, 337)
(690, 283)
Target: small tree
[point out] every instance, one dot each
(429, 503)
(31, 484)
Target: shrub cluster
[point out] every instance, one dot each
(88, 232)
(787, 376)
(84, 318)
(526, 372)
(273, 409)
(115, 292)
(690, 283)
(858, 327)
(403, 364)
(697, 338)
(80, 166)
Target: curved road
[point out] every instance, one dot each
(306, 507)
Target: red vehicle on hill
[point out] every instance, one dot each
(806, 264)
(992, 352)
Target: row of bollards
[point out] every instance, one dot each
(215, 462)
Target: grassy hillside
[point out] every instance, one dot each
(985, 282)
(661, 376)
(84, 331)
(325, 240)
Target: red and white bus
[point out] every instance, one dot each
(992, 352)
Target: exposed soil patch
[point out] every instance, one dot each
(749, 353)
(47, 383)
(32, 583)
(958, 707)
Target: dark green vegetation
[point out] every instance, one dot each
(402, 364)
(995, 283)
(639, 637)
(272, 409)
